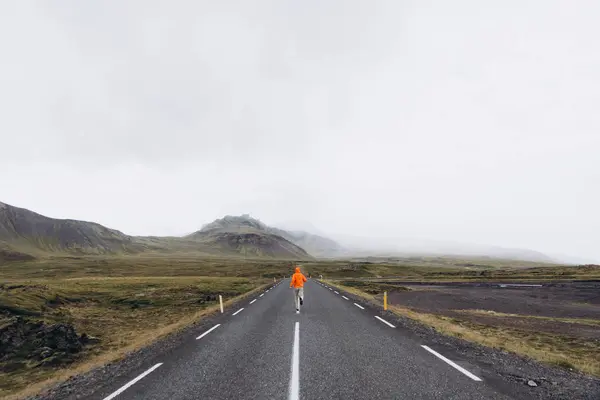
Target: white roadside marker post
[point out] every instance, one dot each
(221, 302)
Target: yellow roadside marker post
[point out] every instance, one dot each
(385, 301)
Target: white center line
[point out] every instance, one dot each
(208, 331)
(336, 292)
(295, 375)
(452, 363)
(252, 301)
(131, 383)
(385, 322)
(344, 297)
(237, 312)
(359, 306)
(261, 295)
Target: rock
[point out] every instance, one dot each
(51, 361)
(531, 383)
(42, 352)
(23, 340)
(86, 339)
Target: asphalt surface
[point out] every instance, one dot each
(341, 352)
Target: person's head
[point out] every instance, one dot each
(297, 269)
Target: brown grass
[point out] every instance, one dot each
(584, 321)
(105, 307)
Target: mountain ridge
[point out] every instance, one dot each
(315, 245)
(25, 234)
(247, 235)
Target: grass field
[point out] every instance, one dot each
(121, 305)
(126, 302)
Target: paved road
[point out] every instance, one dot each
(333, 349)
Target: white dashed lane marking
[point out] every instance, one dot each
(208, 331)
(452, 363)
(385, 322)
(131, 383)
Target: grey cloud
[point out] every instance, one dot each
(461, 120)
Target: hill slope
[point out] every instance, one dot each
(24, 231)
(247, 236)
(25, 234)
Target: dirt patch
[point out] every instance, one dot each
(566, 300)
(582, 330)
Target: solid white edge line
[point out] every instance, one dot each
(132, 382)
(295, 375)
(238, 311)
(336, 292)
(208, 331)
(452, 363)
(252, 301)
(359, 306)
(344, 297)
(385, 322)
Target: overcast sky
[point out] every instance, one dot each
(460, 120)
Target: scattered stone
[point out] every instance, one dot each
(44, 352)
(86, 339)
(23, 341)
(531, 383)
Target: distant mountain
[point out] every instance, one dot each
(315, 245)
(26, 232)
(248, 236)
(318, 246)
(423, 247)
(25, 235)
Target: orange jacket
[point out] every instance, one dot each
(297, 279)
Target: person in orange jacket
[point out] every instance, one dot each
(297, 282)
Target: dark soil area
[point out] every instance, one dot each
(564, 300)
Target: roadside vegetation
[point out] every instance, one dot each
(91, 310)
(66, 318)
